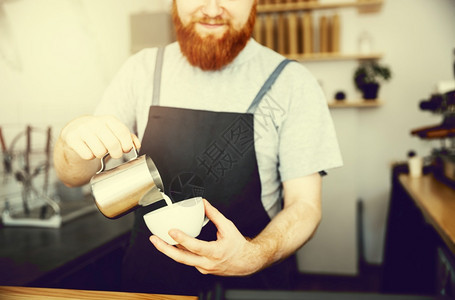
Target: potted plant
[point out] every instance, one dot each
(368, 77)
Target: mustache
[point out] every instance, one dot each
(211, 21)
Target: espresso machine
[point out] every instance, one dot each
(441, 102)
(443, 157)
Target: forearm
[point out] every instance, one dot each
(70, 167)
(287, 232)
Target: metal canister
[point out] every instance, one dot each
(121, 189)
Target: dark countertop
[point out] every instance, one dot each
(29, 254)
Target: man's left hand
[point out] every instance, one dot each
(230, 255)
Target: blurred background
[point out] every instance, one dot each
(58, 56)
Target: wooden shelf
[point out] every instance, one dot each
(356, 104)
(333, 56)
(363, 5)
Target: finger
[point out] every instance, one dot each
(78, 146)
(136, 141)
(203, 271)
(94, 144)
(196, 246)
(214, 215)
(180, 247)
(121, 132)
(110, 142)
(179, 255)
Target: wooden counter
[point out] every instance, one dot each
(420, 235)
(437, 203)
(19, 293)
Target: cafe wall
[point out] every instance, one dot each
(56, 59)
(57, 56)
(417, 39)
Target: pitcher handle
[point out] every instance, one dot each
(103, 164)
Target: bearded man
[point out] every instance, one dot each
(223, 118)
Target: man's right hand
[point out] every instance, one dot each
(86, 138)
(95, 136)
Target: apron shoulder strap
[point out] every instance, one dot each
(157, 77)
(267, 85)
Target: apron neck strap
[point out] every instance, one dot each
(157, 77)
(267, 85)
(264, 89)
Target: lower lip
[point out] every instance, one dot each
(211, 26)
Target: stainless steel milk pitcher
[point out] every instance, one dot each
(123, 188)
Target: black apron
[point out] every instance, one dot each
(208, 154)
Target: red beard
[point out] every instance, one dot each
(211, 53)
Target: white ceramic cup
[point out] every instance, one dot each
(187, 215)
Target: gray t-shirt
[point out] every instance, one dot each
(294, 132)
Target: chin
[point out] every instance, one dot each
(216, 34)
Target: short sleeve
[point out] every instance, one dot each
(118, 98)
(307, 137)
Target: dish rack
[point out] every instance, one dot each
(34, 203)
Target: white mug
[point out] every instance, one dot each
(187, 215)
(415, 166)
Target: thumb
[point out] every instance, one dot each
(215, 215)
(136, 141)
